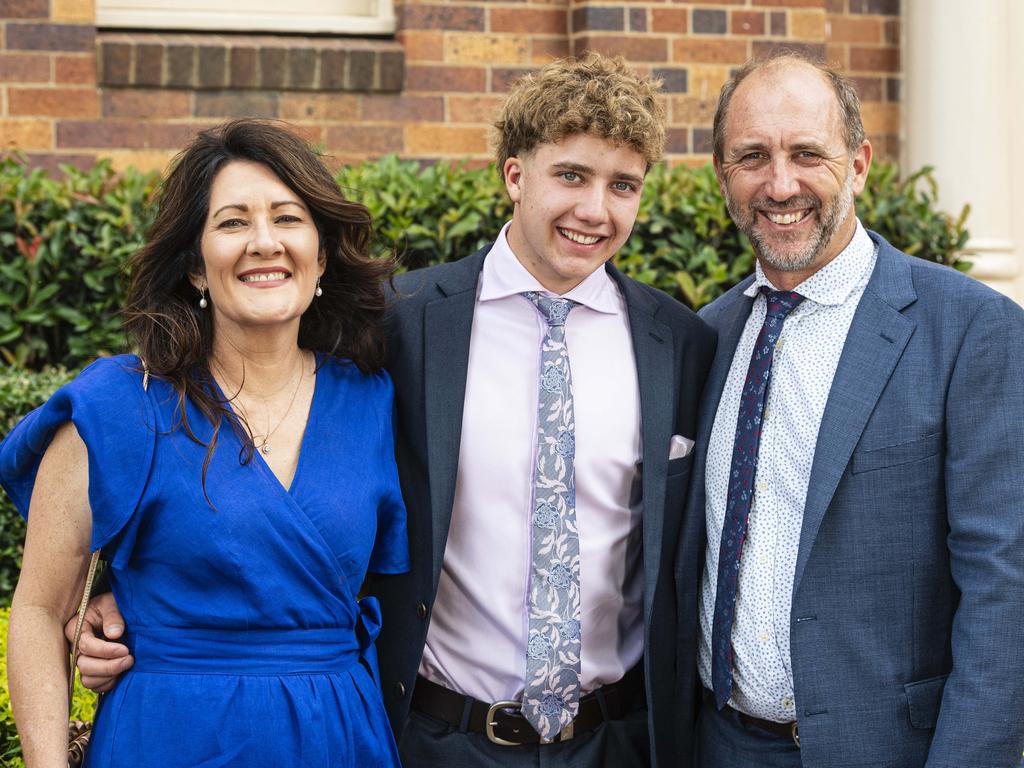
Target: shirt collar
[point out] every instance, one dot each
(504, 275)
(833, 283)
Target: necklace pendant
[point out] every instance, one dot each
(265, 448)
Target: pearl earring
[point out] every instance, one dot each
(203, 303)
(319, 291)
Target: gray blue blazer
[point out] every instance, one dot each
(428, 355)
(907, 627)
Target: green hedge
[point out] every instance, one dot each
(63, 245)
(64, 242)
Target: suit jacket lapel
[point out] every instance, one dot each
(448, 324)
(876, 340)
(729, 324)
(655, 369)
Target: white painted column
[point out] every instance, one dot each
(963, 105)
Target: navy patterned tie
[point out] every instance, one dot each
(551, 695)
(741, 486)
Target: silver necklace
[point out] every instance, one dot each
(264, 444)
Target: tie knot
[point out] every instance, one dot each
(554, 311)
(781, 303)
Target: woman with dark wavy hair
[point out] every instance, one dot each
(238, 475)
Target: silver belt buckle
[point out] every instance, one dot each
(492, 713)
(795, 733)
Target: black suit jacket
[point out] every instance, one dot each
(428, 354)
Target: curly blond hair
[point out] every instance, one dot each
(595, 95)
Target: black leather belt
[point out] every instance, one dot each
(785, 730)
(502, 721)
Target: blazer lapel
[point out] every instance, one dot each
(655, 370)
(447, 327)
(878, 335)
(729, 324)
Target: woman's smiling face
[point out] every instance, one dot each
(260, 251)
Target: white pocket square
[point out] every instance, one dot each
(679, 446)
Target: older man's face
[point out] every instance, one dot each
(787, 175)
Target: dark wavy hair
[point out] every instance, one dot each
(164, 323)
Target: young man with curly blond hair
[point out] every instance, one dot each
(545, 404)
(537, 624)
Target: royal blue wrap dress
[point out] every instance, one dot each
(250, 646)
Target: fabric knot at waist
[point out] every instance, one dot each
(288, 651)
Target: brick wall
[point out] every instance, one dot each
(72, 93)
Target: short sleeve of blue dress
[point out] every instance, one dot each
(391, 548)
(108, 406)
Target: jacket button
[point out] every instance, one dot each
(400, 690)
(421, 611)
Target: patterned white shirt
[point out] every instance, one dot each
(804, 365)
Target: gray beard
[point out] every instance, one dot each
(786, 260)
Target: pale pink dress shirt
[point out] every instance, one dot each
(476, 643)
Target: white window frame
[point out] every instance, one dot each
(360, 17)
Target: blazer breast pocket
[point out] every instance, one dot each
(896, 455)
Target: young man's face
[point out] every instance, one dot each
(575, 204)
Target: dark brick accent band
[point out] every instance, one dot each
(50, 37)
(709, 22)
(677, 141)
(673, 80)
(24, 9)
(598, 19)
(892, 89)
(215, 62)
(886, 7)
(703, 141)
(446, 17)
(637, 19)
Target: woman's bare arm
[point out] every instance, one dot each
(49, 589)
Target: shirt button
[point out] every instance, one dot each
(787, 703)
(763, 637)
(421, 611)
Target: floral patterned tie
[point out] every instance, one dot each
(552, 690)
(741, 486)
